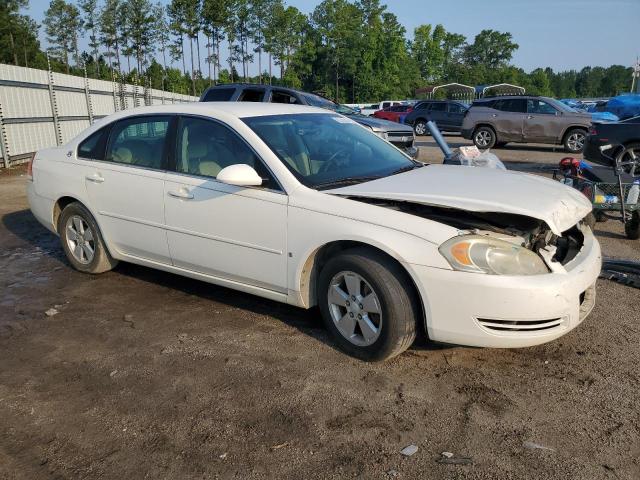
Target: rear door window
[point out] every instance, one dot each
(94, 146)
(252, 95)
(139, 142)
(278, 96)
(456, 108)
(516, 105)
(219, 95)
(438, 107)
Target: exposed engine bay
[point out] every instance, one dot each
(522, 230)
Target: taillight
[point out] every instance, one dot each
(30, 166)
(592, 130)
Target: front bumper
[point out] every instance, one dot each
(592, 151)
(507, 311)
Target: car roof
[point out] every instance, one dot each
(236, 109)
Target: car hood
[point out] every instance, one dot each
(380, 124)
(478, 189)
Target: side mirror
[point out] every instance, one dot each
(240, 175)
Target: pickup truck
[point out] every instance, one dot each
(369, 110)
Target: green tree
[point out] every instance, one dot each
(491, 48)
(18, 36)
(215, 15)
(109, 32)
(89, 10)
(140, 30)
(62, 24)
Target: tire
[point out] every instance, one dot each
(600, 216)
(590, 220)
(77, 225)
(625, 155)
(420, 127)
(484, 138)
(574, 140)
(394, 299)
(632, 227)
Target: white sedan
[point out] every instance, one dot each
(306, 207)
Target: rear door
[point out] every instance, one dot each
(508, 119)
(455, 115)
(438, 114)
(126, 189)
(543, 122)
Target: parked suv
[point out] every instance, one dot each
(395, 133)
(525, 119)
(446, 114)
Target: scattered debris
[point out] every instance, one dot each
(128, 318)
(276, 447)
(537, 446)
(223, 456)
(51, 312)
(113, 373)
(393, 473)
(447, 454)
(626, 272)
(453, 460)
(409, 450)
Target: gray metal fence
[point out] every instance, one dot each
(40, 108)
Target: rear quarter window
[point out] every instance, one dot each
(219, 95)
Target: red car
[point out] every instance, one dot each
(394, 113)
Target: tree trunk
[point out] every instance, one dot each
(270, 74)
(184, 63)
(13, 49)
(260, 64)
(231, 61)
(164, 67)
(198, 45)
(193, 73)
(209, 57)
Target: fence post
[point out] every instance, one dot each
(4, 144)
(113, 87)
(54, 107)
(87, 96)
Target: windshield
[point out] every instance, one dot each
(326, 150)
(318, 101)
(560, 105)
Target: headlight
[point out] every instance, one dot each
(478, 254)
(382, 135)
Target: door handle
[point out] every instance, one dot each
(529, 117)
(95, 178)
(494, 115)
(181, 194)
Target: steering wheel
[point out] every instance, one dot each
(332, 163)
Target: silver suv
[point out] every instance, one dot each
(525, 119)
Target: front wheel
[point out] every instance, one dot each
(632, 226)
(574, 140)
(420, 128)
(82, 241)
(368, 305)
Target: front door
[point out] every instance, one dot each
(543, 122)
(126, 188)
(230, 232)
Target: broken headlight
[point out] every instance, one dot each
(479, 254)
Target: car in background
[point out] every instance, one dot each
(303, 206)
(625, 133)
(495, 121)
(447, 114)
(397, 134)
(395, 113)
(369, 110)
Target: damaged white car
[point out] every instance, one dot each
(304, 206)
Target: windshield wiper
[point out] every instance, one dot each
(407, 168)
(342, 182)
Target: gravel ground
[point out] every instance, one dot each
(143, 374)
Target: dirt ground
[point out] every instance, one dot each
(144, 374)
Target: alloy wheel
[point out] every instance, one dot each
(421, 128)
(80, 239)
(483, 138)
(355, 308)
(576, 141)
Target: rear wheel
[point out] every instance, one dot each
(82, 241)
(420, 127)
(632, 226)
(368, 305)
(484, 137)
(574, 140)
(631, 152)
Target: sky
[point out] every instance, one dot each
(562, 34)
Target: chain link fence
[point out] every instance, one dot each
(40, 108)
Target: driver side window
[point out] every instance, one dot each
(205, 147)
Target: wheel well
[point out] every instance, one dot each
(315, 262)
(59, 207)
(575, 127)
(487, 125)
